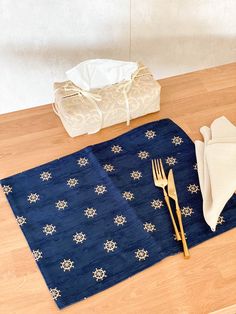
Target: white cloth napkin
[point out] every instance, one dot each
(216, 160)
(98, 73)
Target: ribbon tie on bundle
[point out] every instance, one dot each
(125, 88)
(92, 98)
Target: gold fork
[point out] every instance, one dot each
(160, 181)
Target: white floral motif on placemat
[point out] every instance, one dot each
(79, 237)
(56, 293)
(141, 254)
(116, 149)
(157, 203)
(49, 229)
(37, 255)
(21, 220)
(100, 189)
(82, 162)
(177, 140)
(72, 182)
(90, 212)
(150, 134)
(108, 167)
(129, 196)
(136, 175)
(149, 227)
(45, 176)
(174, 236)
(7, 189)
(33, 197)
(120, 220)
(67, 265)
(61, 205)
(193, 188)
(99, 274)
(220, 220)
(171, 161)
(143, 154)
(110, 245)
(187, 211)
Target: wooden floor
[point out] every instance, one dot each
(203, 284)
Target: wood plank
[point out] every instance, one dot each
(203, 284)
(226, 310)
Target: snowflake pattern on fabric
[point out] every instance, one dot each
(7, 189)
(129, 196)
(49, 229)
(157, 204)
(61, 205)
(72, 182)
(33, 197)
(67, 265)
(37, 255)
(116, 149)
(120, 220)
(193, 188)
(141, 254)
(143, 154)
(174, 236)
(136, 175)
(45, 176)
(177, 140)
(99, 274)
(110, 245)
(150, 134)
(90, 212)
(79, 237)
(21, 220)
(149, 227)
(96, 214)
(82, 162)
(56, 293)
(187, 211)
(108, 167)
(100, 189)
(171, 161)
(220, 220)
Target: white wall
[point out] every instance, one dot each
(40, 40)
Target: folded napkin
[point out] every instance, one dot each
(98, 73)
(216, 161)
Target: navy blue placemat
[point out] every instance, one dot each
(94, 218)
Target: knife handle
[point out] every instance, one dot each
(167, 200)
(184, 242)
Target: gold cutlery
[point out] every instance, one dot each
(173, 194)
(160, 181)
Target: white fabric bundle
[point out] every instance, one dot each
(86, 112)
(216, 159)
(98, 73)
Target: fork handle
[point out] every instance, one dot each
(167, 200)
(184, 242)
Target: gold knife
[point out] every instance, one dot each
(173, 194)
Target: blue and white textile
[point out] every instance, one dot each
(94, 218)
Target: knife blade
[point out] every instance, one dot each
(173, 194)
(171, 187)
